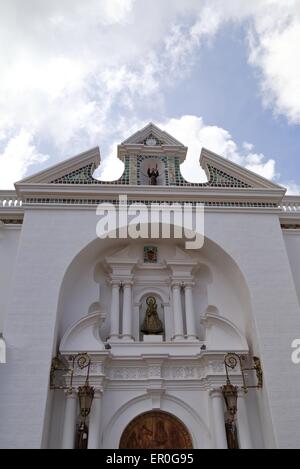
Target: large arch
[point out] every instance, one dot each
(221, 279)
(80, 274)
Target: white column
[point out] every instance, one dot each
(68, 437)
(115, 311)
(218, 419)
(243, 429)
(177, 312)
(95, 421)
(189, 312)
(127, 311)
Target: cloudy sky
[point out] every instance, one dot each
(221, 74)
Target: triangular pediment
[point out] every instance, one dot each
(152, 135)
(74, 170)
(222, 172)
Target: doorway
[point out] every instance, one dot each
(156, 430)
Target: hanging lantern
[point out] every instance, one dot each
(85, 396)
(230, 394)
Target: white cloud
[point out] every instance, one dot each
(274, 49)
(194, 133)
(248, 146)
(18, 155)
(292, 188)
(255, 162)
(70, 70)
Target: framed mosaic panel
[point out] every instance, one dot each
(150, 254)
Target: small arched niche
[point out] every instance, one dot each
(146, 163)
(151, 317)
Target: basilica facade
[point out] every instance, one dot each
(121, 340)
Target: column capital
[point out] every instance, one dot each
(98, 393)
(70, 393)
(115, 283)
(127, 283)
(188, 285)
(216, 392)
(176, 284)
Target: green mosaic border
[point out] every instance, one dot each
(132, 175)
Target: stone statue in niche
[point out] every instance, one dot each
(153, 174)
(152, 324)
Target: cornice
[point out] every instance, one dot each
(160, 150)
(275, 195)
(13, 203)
(291, 232)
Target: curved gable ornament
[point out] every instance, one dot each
(83, 336)
(222, 335)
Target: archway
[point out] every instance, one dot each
(221, 284)
(156, 430)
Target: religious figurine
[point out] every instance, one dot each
(152, 324)
(132, 442)
(231, 434)
(153, 174)
(160, 435)
(258, 370)
(82, 436)
(145, 438)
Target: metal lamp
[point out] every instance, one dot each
(230, 394)
(85, 396)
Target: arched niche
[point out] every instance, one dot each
(221, 334)
(150, 162)
(84, 335)
(225, 286)
(226, 289)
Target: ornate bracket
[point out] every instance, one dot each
(61, 376)
(232, 359)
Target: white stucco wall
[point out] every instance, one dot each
(292, 242)
(9, 241)
(49, 243)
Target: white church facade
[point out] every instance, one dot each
(146, 323)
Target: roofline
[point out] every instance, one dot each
(241, 171)
(92, 155)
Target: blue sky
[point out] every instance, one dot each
(227, 95)
(224, 75)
